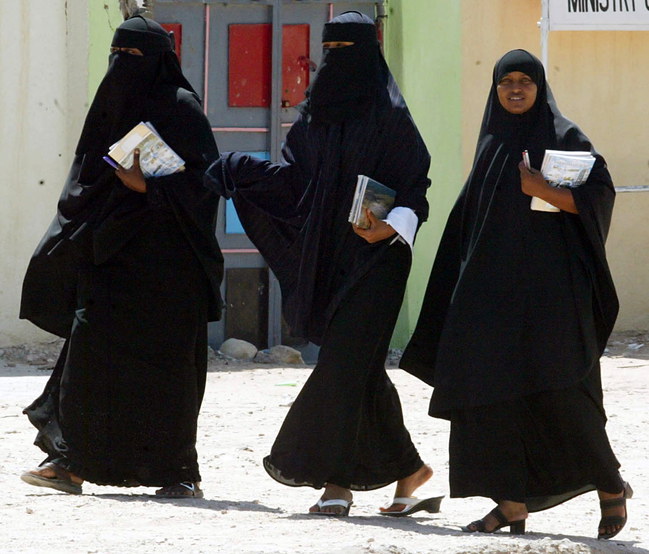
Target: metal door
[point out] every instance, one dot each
(251, 60)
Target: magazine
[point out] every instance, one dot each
(563, 168)
(157, 159)
(373, 195)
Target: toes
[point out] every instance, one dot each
(393, 508)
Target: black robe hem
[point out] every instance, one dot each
(396, 474)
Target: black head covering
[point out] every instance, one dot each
(497, 121)
(493, 254)
(144, 34)
(350, 79)
(121, 99)
(96, 214)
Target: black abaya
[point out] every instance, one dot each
(131, 281)
(517, 312)
(345, 426)
(338, 290)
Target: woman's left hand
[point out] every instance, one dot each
(377, 231)
(133, 178)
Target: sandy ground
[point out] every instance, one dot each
(244, 511)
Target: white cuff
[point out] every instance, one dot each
(404, 221)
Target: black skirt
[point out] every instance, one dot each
(541, 449)
(346, 426)
(121, 407)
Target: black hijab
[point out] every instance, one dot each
(349, 79)
(121, 97)
(488, 262)
(96, 213)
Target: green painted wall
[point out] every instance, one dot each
(423, 50)
(104, 17)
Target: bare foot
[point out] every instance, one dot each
(407, 486)
(332, 492)
(613, 512)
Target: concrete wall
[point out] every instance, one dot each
(43, 83)
(442, 54)
(46, 50)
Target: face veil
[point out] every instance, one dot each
(349, 79)
(130, 79)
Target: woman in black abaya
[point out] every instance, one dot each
(519, 307)
(129, 274)
(342, 287)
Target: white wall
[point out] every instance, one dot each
(43, 79)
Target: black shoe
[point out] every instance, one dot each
(515, 527)
(614, 521)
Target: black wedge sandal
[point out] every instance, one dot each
(614, 521)
(515, 527)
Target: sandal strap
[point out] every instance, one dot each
(497, 513)
(612, 521)
(612, 502)
(188, 485)
(60, 473)
(407, 500)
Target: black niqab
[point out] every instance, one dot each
(130, 279)
(349, 79)
(122, 94)
(97, 214)
(296, 212)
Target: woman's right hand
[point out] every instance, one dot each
(533, 184)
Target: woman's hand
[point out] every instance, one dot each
(133, 178)
(533, 184)
(377, 231)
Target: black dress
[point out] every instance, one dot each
(130, 280)
(517, 312)
(338, 290)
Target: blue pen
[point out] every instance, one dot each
(111, 162)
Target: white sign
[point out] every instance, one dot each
(599, 15)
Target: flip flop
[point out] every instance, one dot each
(186, 489)
(62, 482)
(346, 504)
(413, 505)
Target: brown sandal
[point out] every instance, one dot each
(61, 482)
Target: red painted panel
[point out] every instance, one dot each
(249, 65)
(177, 30)
(295, 63)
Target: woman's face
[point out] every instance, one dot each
(516, 92)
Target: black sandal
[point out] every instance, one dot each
(614, 521)
(515, 527)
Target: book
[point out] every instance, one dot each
(373, 195)
(563, 168)
(157, 159)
